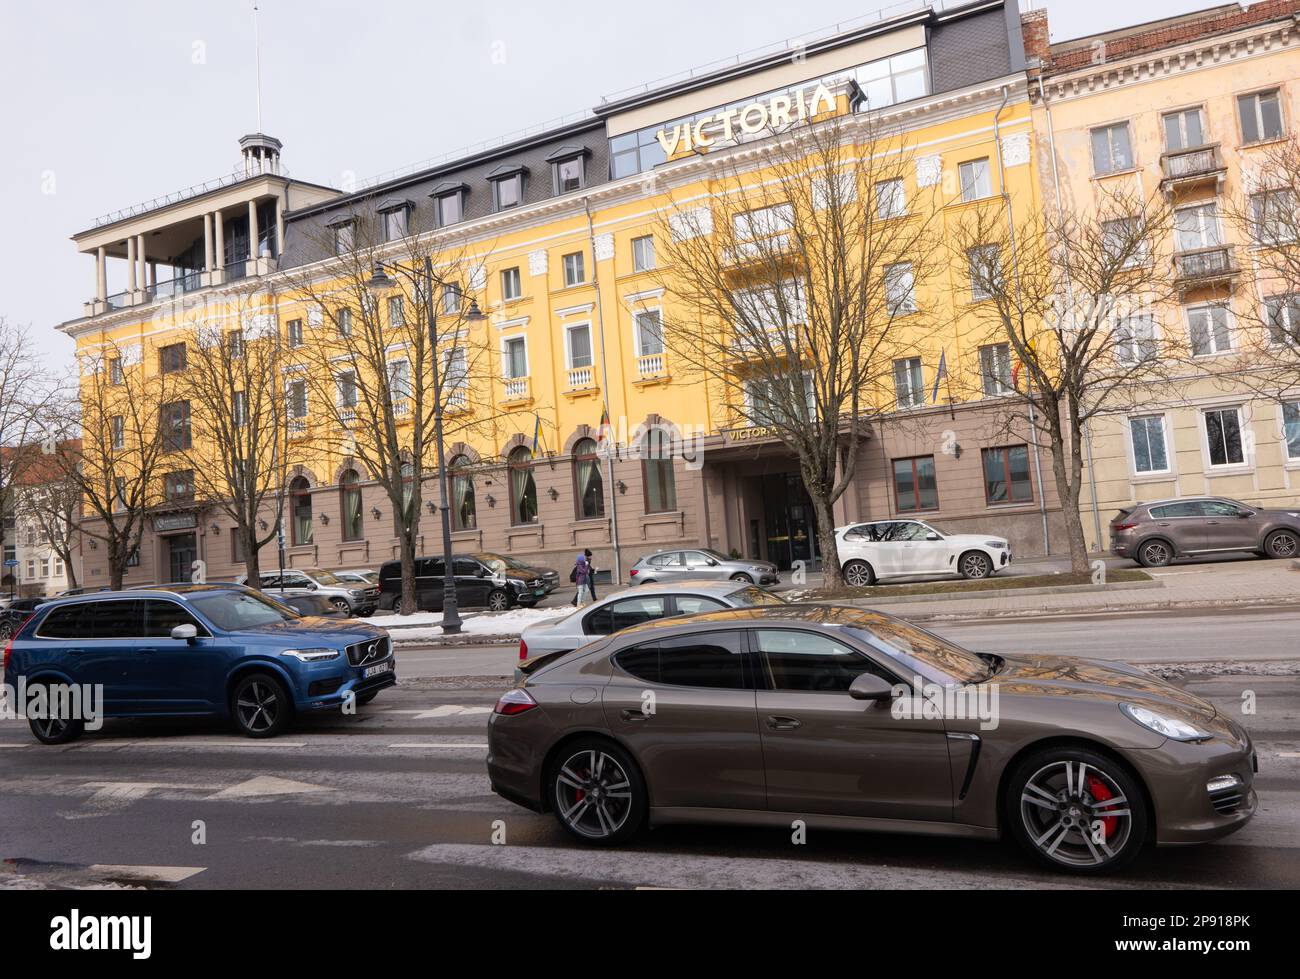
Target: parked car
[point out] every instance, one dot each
(211, 650)
(348, 597)
(477, 584)
(309, 605)
(1153, 534)
(13, 615)
(504, 563)
(764, 715)
(701, 562)
(632, 606)
(896, 548)
(362, 577)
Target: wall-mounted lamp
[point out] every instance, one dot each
(622, 487)
(216, 530)
(553, 493)
(261, 525)
(376, 512)
(491, 502)
(324, 518)
(956, 449)
(94, 546)
(431, 507)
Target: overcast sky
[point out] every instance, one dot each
(110, 104)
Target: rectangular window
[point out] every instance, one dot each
(115, 375)
(1124, 243)
(344, 237)
(396, 312)
(1197, 227)
(914, 485)
(455, 370)
(449, 209)
(1223, 436)
(1291, 428)
(908, 388)
(900, 289)
(1210, 333)
(1261, 116)
(399, 380)
(643, 253)
(575, 273)
(995, 368)
(1135, 339)
(974, 178)
(171, 358)
(649, 333)
(1183, 130)
(175, 419)
(510, 284)
(343, 320)
(239, 409)
(179, 486)
(579, 338)
(1150, 453)
(345, 389)
(1273, 219)
(298, 399)
(1283, 313)
(515, 350)
(891, 200)
(1112, 150)
(508, 192)
(1006, 475)
(762, 223)
(985, 267)
(119, 494)
(117, 425)
(451, 299)
(395, 224)
(569, 175)
(294, 330)
(888, 81)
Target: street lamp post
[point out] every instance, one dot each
(425, 280)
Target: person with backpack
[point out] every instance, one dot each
(591, 573)
(580, 576)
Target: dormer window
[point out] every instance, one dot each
(507, 187)
(395, 213)
(345, 233)
(568, 168)
(449, 203)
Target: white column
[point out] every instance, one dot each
(143, 275)
(219, 242)
(207, 243)
(130, 265)
(101, 274)
(279, 226)
(252, 230)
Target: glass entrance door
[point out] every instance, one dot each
(791, 522)
(182, 552)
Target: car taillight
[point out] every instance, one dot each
(633, 573)
(515, 701)
(9, 648)
(523, 650)
(1122, 526)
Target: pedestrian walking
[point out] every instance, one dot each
(591, 573)
(579, 576)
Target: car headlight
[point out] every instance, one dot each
(1169, 727)
(997, 545)
(311, 655)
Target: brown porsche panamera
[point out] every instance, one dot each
(846, 719)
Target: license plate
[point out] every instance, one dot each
(539, 592)
(377, 669)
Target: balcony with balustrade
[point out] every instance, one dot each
(1192, 169)
(580, 382)
(516, 391)
(652, 368)
(1205, 268)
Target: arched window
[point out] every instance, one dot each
(463, 515)
(657, 472)
(588, 486)
(523, 488)
(350, 505)
(300, 507)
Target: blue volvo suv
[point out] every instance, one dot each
(196, 650)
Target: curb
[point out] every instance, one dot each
(1098, 609)
(961, 596)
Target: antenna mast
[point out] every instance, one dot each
(257, 56)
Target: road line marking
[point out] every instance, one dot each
(264, 785)
(1288, 754)
(165, 875)
(476, 747)
(189, 743)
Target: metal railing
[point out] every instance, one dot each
(216, 183)
(1205, 263)
(1203, 161)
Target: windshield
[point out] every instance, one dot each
(241, 610)
(921, 653)
(323, 577)
(713, 554)
(497, 563)
(753, 595)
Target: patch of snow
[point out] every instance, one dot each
(428, 625)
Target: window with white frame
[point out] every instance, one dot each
(515, 357)
(1150, 450)
(1183, 130)
(1273, 219)
(1135, 338)
(900, 289)
(343, 320)
(1291, 429)
(449, 209)
(239, 409)
(1209, 329)
(399, 379)
(1112, 149)
(768, 401)
(396, 222)
(578, 345)
(455, 369)
(575, 272)
(451, 296)
(1283, 315)
(649, 332)
(344, 238)
(891, 199)
(396, 312)
(1261, 116)
(995, 368)
(908, 386)
(768, 309)
(508, 192)
(569, 175)
(985, 266)
(345, 389)
(643, 253)
(293, 330)
(1197, 227)
(1223, 436)
(510, 284)
(297, 396)
(117, 425)
(763, 222)
(974, 179)
(31, 569)
(1124, 243)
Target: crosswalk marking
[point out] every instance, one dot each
(264, 785)
(161, 875)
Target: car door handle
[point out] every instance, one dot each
(635, 715)
(777, 723)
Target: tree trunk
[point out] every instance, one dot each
(252, 556)
(831, 574)
(406, 547)
(1067, 491)
(116, 563)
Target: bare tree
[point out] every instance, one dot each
(790, 294)
(112, 435)
(241, 452)
(1064, 305)
(23, 392)
(370, 363)
(50, 500)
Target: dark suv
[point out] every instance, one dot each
(478, 583)
(1153, 534)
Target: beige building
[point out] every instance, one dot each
(1187, 107)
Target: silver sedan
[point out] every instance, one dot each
(632, 606)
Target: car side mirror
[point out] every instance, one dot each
(933, 536)
(482, 572)
(1244, 514)
(712, 563)
(185, 632)
(312, 586)
(868, 686)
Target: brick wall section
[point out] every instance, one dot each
(1082, 52)
(1038, 44)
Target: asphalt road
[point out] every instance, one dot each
(397, 797)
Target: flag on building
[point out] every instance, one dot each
(939, 376)
(537, 431)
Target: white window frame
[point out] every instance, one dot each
(1259, 115)
(569, 330)
(1243, 428)
(1003, 389)
(393, 391)
(637, 344)
(981, 184)
(505, 356)
(1188, 312)
(638, 265)
(574, 262)
(1208, 226)
(916, 398)
(977, 293)
(1181, 115)
(518, 281)
(894, 274)
(893, 204)
(1126, 349)
(1165, 430)
(1291, 460)
(1109, 128)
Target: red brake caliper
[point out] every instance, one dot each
(1099, 792)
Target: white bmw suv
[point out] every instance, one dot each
(895, 548)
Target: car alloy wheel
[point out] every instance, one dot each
(742, 577)
(1080, 811)
(55, 730)
(975, 565)
(498, 601)
(1155, 554)
(341, 606)
(859, 574)
(261, 706)
(1282, 544)
(597, 794)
